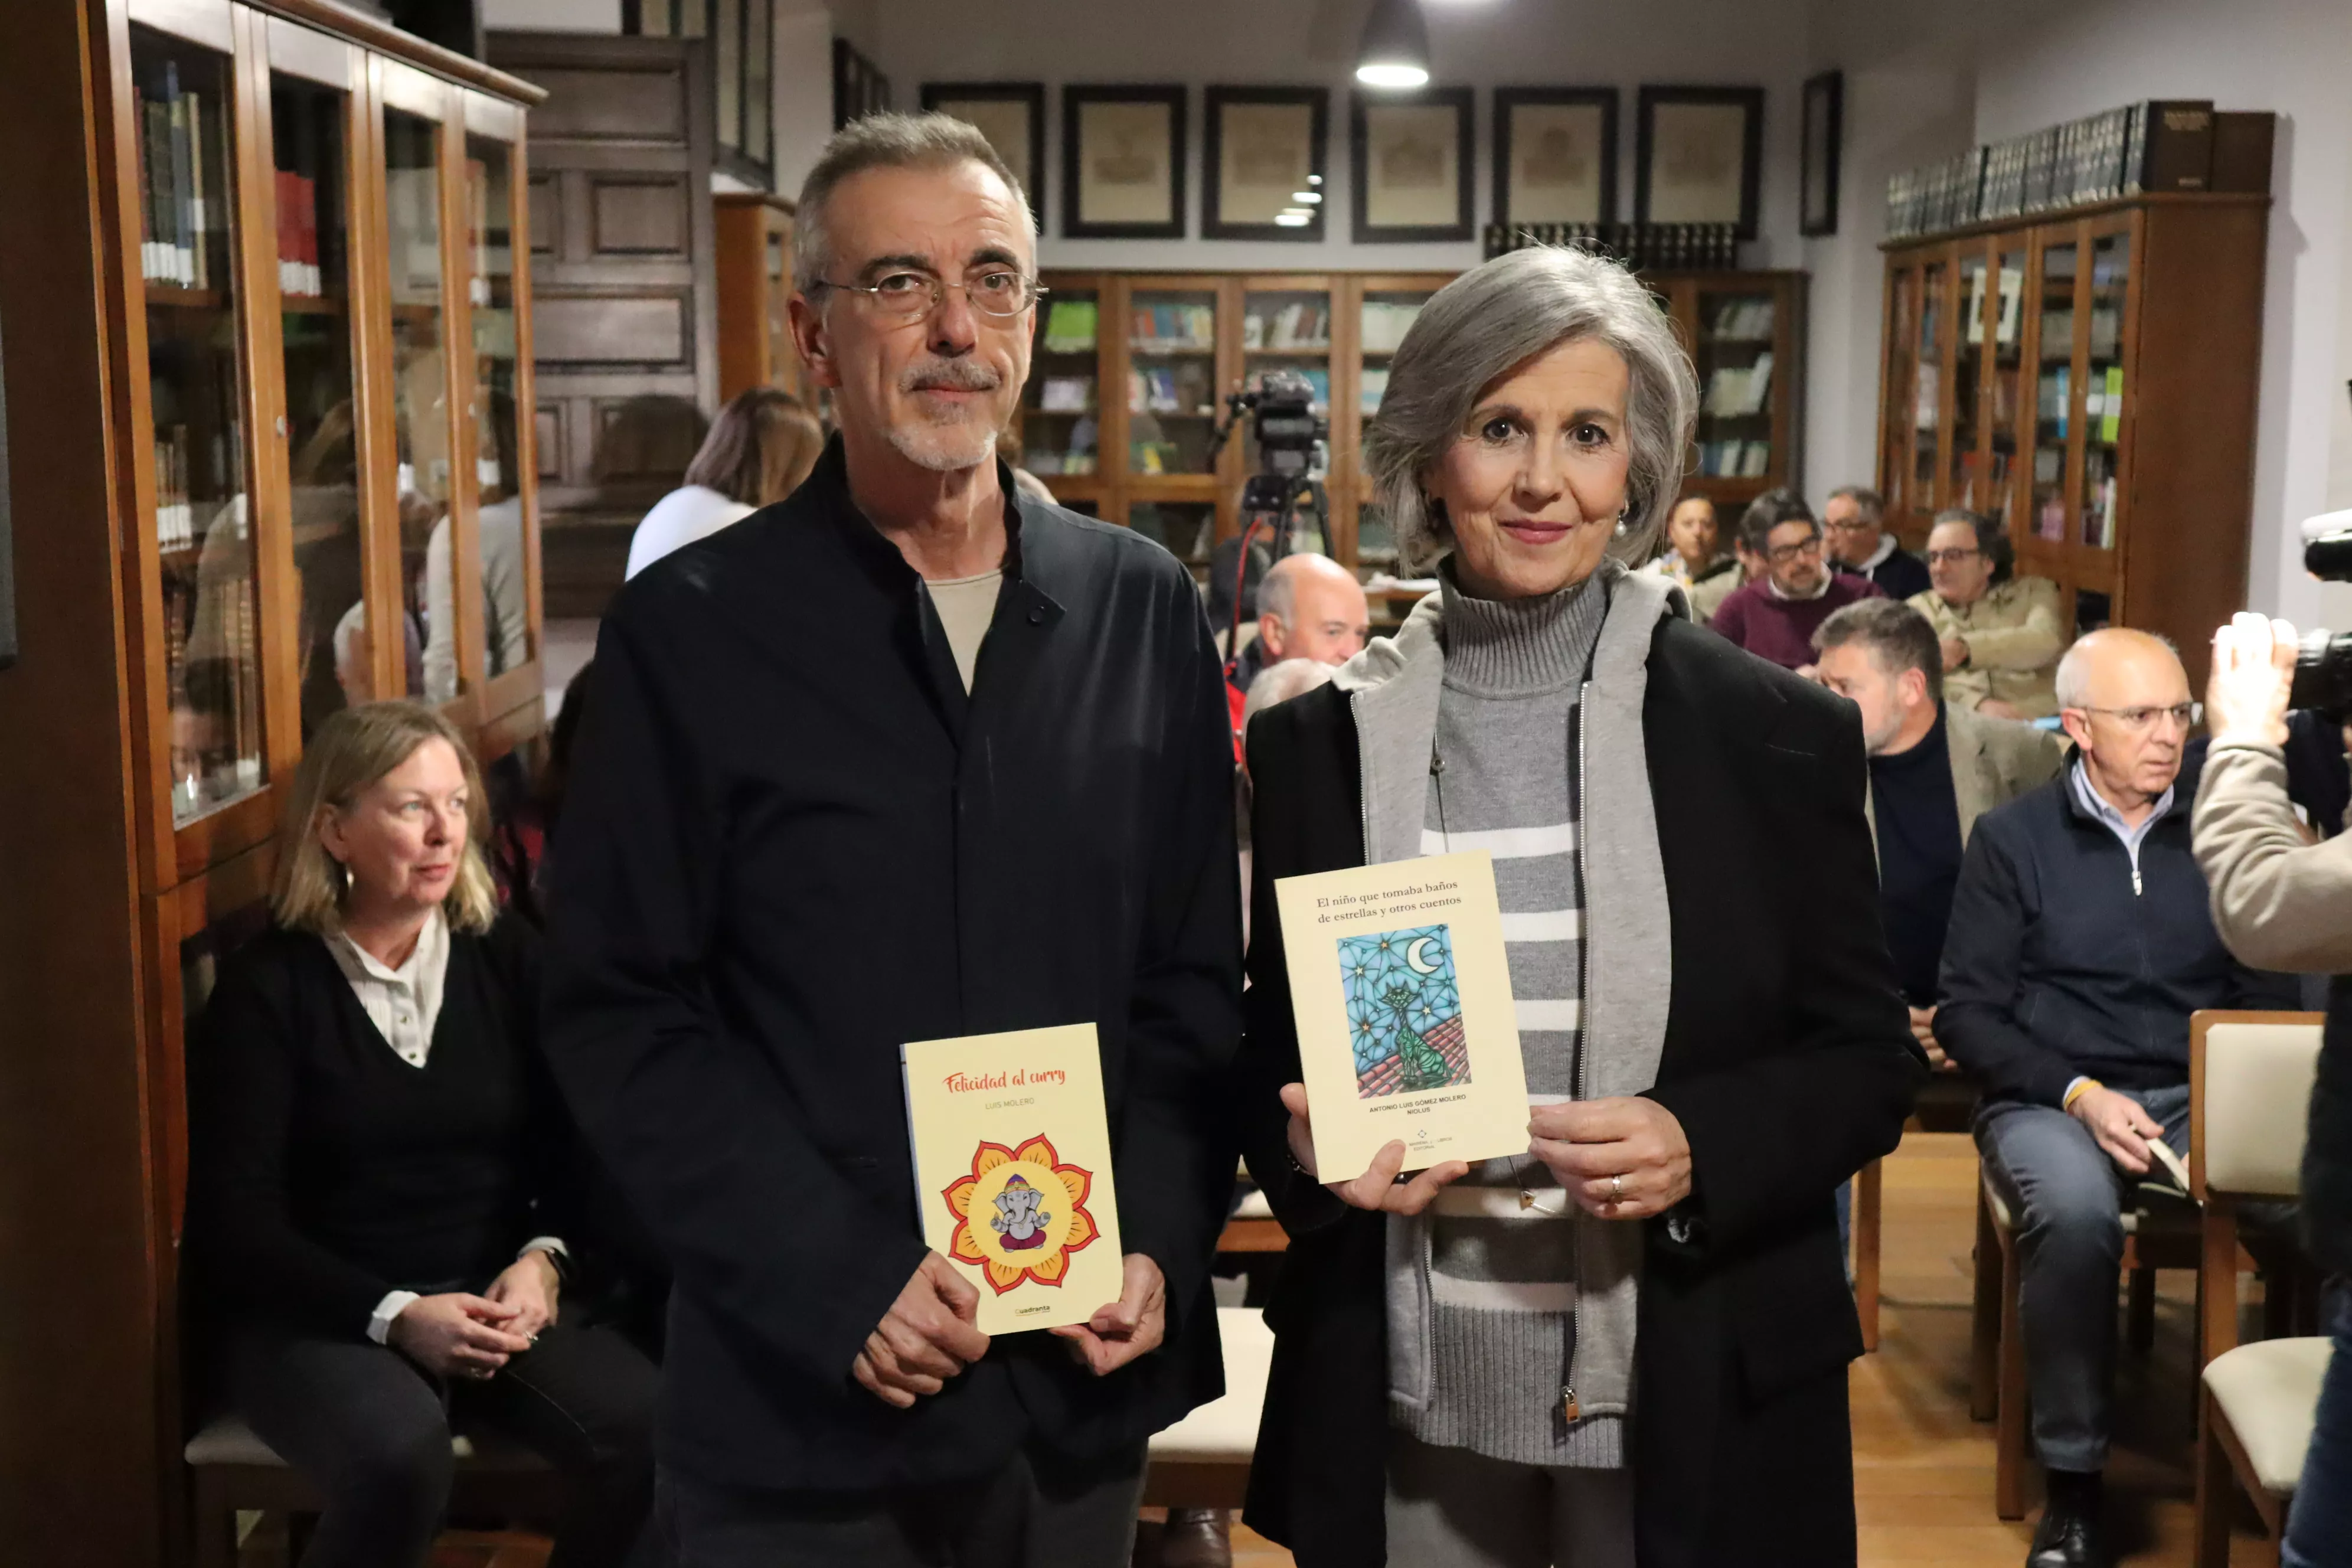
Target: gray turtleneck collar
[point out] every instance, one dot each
(1512, 648)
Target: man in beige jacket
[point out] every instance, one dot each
(2001, 635)
(1934, 768)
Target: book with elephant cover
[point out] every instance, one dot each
(1401, 991)
(1013, 1172)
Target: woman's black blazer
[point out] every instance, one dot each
(1788, 1061)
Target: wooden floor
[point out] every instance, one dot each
(1923, 1470)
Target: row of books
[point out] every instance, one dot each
(297, 237)
(1298, 325)
(1156, 457)
(1385, 323)
(1735, 459)
(176, 216)
(2155, 146)
(1070, 327)
(1039, 462)
(2103, 405)
(1167, 389)
(1067, 393)
(176, 512)
(1735, 391)
(1652, 247)
(1168, 329)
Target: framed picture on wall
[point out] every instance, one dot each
(1555, 155)
(1825, 136)
(1411, 153)
(1012, 115)
(859, 88)
(1698, 155)
(1262, 162)
(1123, 163)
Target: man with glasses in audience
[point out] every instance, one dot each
(904, 757)
(2001, 633)
(1853, 520)
(2081, 941)
(1776, 615)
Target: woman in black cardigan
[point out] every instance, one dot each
(379, 1179)
(1640, 1357)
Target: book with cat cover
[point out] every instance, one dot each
(1401, 992)
(1013, 1172)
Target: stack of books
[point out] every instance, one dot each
(1750, 321)
(175, 515)
(1298, 327)
(1173, 329)
(177, 216)
(1070, 327)
(1659, 247)
(298, 237)
(1735, 459)
(1735, 393)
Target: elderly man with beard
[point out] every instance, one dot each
(906, 756)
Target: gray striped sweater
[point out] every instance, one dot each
(1502, 1283)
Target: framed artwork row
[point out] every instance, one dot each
(1698, 157)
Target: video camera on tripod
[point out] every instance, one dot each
(2323, 665)
(1290, 445)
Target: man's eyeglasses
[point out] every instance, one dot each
(2139, 721)
(998, 292)
(1953, 558)
(1782, 555)
(1851, 525)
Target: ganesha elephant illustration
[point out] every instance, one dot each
(1018, 1219)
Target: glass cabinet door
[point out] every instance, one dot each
(2054, 396)
(308, 126)
(1965, 484)
(1734, 359)
(1382, 319)
(1172, 380)
(1928, 388)
(421, 405)
(1288, 330)
(1062, 405)
(2004, 397)
(1895, 439)
(2103, 387)
(202, 523)
(497, 462)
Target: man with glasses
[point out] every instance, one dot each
(2081, 941)
(1776, 615)
(2001, 633)
(904, 757)
(1853, 519)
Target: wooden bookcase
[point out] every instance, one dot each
(296, 243)
(754, 250)
(2089, 378)
(1171, 344)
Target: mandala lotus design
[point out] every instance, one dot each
(1065, 1190)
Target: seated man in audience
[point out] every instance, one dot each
(2001, 633)
(1775, 614)
(1934, 769)
(1308, 606)
(2080, 942)
(1695, 558)
(1853, 519)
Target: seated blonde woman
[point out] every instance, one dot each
(380, 1184)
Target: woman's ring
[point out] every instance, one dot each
(1616, 1188)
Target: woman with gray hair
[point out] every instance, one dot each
(1629, 1342)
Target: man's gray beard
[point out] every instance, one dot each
(927, 445)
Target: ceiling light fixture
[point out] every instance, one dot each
(1293, 219)
(1308, 197)
(1395, 50)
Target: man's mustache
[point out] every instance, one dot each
(950, 375)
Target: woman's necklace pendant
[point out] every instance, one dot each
(1527, 1199)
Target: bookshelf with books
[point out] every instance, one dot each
(1178, 343)
(223, 418)
(2064, 373)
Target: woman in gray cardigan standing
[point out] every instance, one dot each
(1627, 1343)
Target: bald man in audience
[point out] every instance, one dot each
(1310, 606)
(2081, 941)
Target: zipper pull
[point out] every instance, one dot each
(1568, 1401)
(2135, 891)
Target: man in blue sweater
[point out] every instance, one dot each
(2080, 943)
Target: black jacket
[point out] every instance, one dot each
(2063, 961)
(324, 1172)
(1899, 576)
(792, 843)
(1787, 1061)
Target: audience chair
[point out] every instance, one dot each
(1946, 1103)
(2157, 1235)
(1203, 1461)
(2250, 1078)
(232, 1469)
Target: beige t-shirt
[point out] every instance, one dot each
(966, 605)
